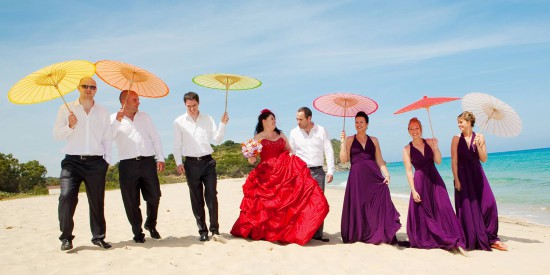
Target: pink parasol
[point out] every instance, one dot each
(344, 105)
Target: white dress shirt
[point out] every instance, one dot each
(136, 138)
(91, 134)
(192, 139)
(311, 147)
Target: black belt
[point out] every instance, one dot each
(315, 167)
(207, 157)
(84, 157)
(140, 158)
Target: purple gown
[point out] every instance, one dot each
(475, 204)
(368, 214)
(431, 223)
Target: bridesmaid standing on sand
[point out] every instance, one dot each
(368, 214)
(431, 221)
(475, 203)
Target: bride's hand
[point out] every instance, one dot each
(252, 160)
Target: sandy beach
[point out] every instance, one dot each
(30, 245)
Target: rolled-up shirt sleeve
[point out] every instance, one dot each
(155, 139)
(178, 142)
(217, 132)
(329, 153)
(107, 139)
(61, 129)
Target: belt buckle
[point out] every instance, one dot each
(83, 157)
(200, 158)
(138, 158)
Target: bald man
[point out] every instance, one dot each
(140, 154)
(87, 130)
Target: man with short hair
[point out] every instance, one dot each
(193, 132)
(87, 130)
(310, 142)
(140, 154)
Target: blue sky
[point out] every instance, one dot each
(391, 51)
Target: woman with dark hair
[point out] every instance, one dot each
(431, 221)
(282, 202)
(475, 203)
(368, 214)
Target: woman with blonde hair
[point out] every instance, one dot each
(475, 203)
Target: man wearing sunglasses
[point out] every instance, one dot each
(86, 129)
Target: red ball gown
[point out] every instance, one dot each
(282, 202)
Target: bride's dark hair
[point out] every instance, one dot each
(264, 115)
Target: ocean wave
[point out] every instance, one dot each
(401, 196)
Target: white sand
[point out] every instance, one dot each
(29, 244)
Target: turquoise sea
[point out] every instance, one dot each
(520, 181)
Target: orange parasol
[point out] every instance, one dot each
(124, 76)
(426, 102)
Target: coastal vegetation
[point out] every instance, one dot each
(21, 178)
(24, 179)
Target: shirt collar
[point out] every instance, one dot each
(77, 103)
(187, 116)
(314, 128)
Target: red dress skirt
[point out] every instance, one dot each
(282, 202)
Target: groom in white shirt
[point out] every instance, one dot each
(310, 142)
(193, 133)
(140, 154)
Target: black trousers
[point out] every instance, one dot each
(319, 175)
(135, 176)
(202, 182)
(74, 171)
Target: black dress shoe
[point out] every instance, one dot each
(321, 239)
(101, 243)
(66, 245)
(203, 237)
(215, 232)
(140, 238)
(153, 231)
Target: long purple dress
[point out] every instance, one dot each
(431, 223)
(368, 214)
(475, 204)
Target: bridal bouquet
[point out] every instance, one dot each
(251, 148)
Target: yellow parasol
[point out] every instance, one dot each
(51, 82)
(226, 82)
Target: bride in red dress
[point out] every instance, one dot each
(282, 202)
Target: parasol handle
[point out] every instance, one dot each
(344, 127)
(484, 124)
(226, 95)
(126, 99)
(64, 102)
(430, 119)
